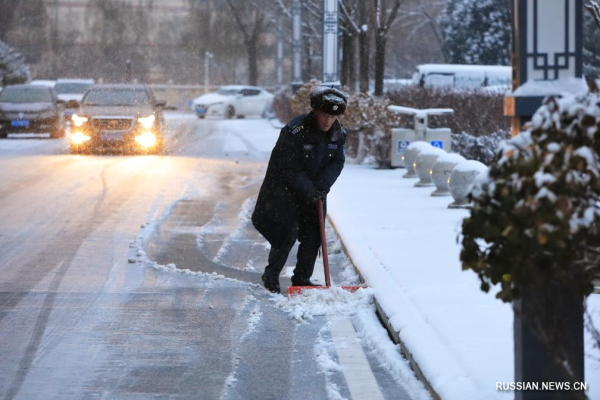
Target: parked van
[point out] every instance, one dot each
(462, 76)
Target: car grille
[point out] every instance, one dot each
(113, 124)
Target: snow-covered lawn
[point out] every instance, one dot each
(404, 242)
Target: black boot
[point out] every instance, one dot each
(303, 282)
(271, 286)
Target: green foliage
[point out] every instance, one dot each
(477, 31)
(535, 216)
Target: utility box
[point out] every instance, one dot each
(402, 137)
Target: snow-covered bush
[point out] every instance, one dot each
(13, 69)
(480, 148)
(282, 104)
(535, 216)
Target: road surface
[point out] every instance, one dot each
(137, 277)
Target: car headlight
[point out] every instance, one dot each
(79, 137)
(77, 120)
(147, 122)
(146, 139)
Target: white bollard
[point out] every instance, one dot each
(441, 172)
(410, 157)
(461, 181)
(424, 164)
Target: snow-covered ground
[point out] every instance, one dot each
(404, 243)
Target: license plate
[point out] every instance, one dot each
(68, 113)
(110, 136)
(19, 123)
(200, 110)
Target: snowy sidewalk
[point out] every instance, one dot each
(404, 242)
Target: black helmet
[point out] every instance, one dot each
(329, 100)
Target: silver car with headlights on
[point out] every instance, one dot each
(118, 118)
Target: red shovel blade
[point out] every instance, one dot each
(298, 290)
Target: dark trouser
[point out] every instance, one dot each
(306, 231)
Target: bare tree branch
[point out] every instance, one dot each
(236, 15)
(350, 17)
(392, 16)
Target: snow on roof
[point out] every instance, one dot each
(238, 87)
(460, 69)
(43, 82)
(88, 81)
(555, 87)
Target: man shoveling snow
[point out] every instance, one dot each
(306, 161)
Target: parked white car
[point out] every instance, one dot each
(71, 91)
(233, 101)
(462, 76)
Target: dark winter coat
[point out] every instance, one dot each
(305, 161)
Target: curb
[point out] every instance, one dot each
(395, 336)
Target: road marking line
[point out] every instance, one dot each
(355, 366)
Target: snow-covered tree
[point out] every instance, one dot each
(591, 40)
(534, 229)
(477, 31)
(591, 48)
(12, 66)
(535, 218)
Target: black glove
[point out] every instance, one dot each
(318, 195)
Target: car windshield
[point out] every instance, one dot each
(71, 88)
(25, 95)
(116, 97)
(228, 92)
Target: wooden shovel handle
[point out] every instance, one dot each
(324, 243)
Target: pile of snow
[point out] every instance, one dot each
(332, 301)
(573, 86)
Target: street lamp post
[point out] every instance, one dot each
(330, 42)
(296, 44)
(279, 62)
(207, 57)
(128, 71)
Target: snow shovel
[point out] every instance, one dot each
(296, 290)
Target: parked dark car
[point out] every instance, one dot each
(118, 117)
(31, 109)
